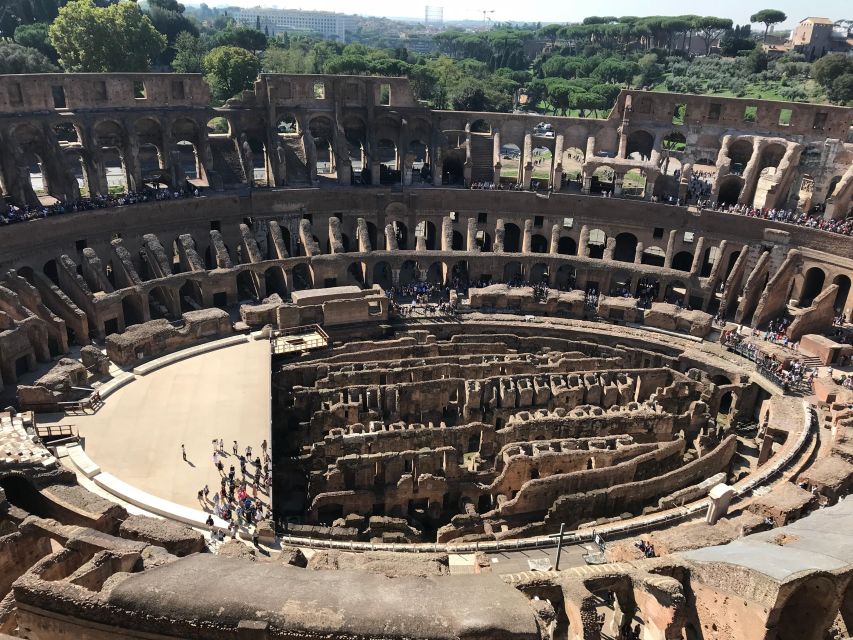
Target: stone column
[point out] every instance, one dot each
(498, 244)
(497, 161)
(618, 179)
(390, 238)
(446, 234)
(609, 248)
(527, 161)
(638, 253)
(583, 242)
(587, 180)
(471, 235)
(751, 173)
(557, 166)
(526, 239)
(696, 267)
(554, 249)
(670, 250)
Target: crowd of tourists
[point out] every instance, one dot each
(501, 186)
(789, 373)
(844, 227)
(237, 500)
(33, 212)
(421, 298)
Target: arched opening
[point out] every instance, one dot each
(730, 188)
(435, 273)
(731, 265)
(131, 309)
(513, 273)
(634, 183)
(709, 259)
(388, 161)
(458, 241)
(218, 126)
(355, 134)
(843, 283)
(620, 283)
(603, 179)
(639, 145)
(459, 275)
(245, 286)
(573, 159)
(539, 273)
(190, 296)
(322, 133)
(567, 246)
(416, 161)
(481, 126)
(510, 163)
(512, 238)
(726, 403)
(302, 277)
(113, 163)
(401, 233)
(626, 247)
(808, 612)
(675, 292)
(408, 273)
(483, 240)
(596, 243)
(382, 275)
(674, 141)
(355, 273)
(188, 159)
(565, 279)
(74, 164)
(51, 271)
(159, 303)
(287, 124)
(812, 286)
(452, 168)
(542, 159)
(426, 230)
(274, 282)
(538, 244)
(740, 152)
(682, 261)
(150, 164)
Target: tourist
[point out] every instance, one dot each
(184, 452)
(264, 446)
(235, 448)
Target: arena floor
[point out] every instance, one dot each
(137, 434)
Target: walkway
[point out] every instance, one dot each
(137, 434)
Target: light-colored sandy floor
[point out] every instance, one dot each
(137, 434)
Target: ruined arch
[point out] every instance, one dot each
(539, 273)
(408, 272)
(382, 275)
(682, 261)
(730, 188)
(812, 286)
(512, 238)
(841, 296)
(538, 244)
(639, 145)
(626, 247)
(303, 278)
(596, 243)
(565, 278)
(567, 246)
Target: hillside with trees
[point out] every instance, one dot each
(575, 69)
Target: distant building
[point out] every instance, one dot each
(277, 21)
(815, 37)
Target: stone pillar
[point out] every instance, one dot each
(471, 235)
(420, 243)
(498, 244)
(751, 173)
(618, 179)
(390, 238)
(557, 166)
(638, 253)
(527, 161)
(446, 234)
(609, 248)
(719, 498)
(696, 267)
(587, 180)
(288, 279)
(497, 160)
(649, 190)
(554, 249)
(436, 166)
(526, 239)
(363, 236)
(583, 242)
(590, 148)
(670, 250)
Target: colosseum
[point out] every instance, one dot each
(325, 363)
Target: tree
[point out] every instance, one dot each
(189, 54)
(550, 32)
(711, 28)
(230, 70)
(95, 39)
(559, 94)
(17, 59)
(768, 17)
(756, 61)
(35, 35)
(243, 37)
(841, 90)
(830, 67)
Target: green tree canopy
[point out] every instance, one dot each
(768, 17)
(189, 54)
(15, 58)
(243, 37)
(98, 39)
(230, 70)
(36, 36)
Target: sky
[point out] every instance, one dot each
(562, 10)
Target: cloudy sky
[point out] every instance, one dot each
(561, 10)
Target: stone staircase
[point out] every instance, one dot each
(297, 164)
(482, 155)
(226, 162)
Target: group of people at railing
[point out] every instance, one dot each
(798, 218)
(33, 212)
(789, 374)
(421, 298)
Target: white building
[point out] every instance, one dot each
(276, 21)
